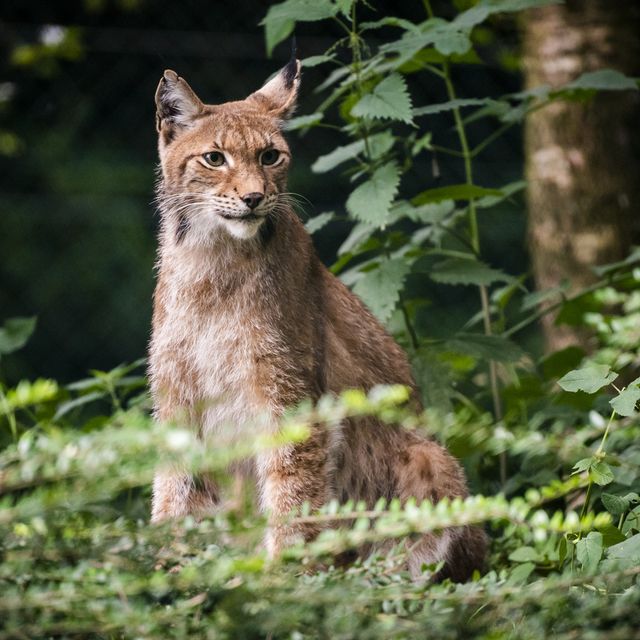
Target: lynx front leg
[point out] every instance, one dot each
(177, 494)
(289, 477)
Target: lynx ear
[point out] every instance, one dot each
(279, 95)
(176, 103)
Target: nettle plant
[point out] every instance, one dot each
(400, 235)
(434, 232)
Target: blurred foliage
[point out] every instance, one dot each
(80, 560)
(550, 444)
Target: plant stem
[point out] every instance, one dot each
(413, 337)
(354, 44)
(585, 506)
(490, 138)
(11, 417)
(599, 451)
(475, 243)
(450, 152)
(606, 433)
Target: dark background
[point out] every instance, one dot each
(77, 222)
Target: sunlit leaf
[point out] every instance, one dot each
(588, 379)
(625, 402)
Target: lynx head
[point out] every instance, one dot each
(224, 167)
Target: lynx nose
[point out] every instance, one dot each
(252, 200)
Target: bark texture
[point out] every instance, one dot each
(581, 158)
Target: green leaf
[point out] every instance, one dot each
(589, 551)
(449, 106)
(370, 202)
(360, 233)
(611, 535)
(454, 192)
(16, 333)
(629, 550)
(615, 505)
(506, 192)
(70, 405)
(524, 554)
(388, 100)
(345, 7)
(275, 31)
(433, 213)
(600, 473)
(302, 122)
(562, 550)
(314, 61)
(532, 300)
(466, 272)
(521, 572)
(389, 21)
(301, 10)
(28, 393)
(379, 144)
(624, 404)
(582, 465)
(281, 18)
(632, 521)
(632, 258)
(431, 56)
(504, 6)
(316, 223)
(450, 40)
(485, 347)
(380, 288)
(337, 156)
(603, 80)
(588, 379)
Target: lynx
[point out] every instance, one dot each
(247, 322)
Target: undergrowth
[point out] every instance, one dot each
(550, 443)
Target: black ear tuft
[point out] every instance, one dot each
(291, 69)
(278, 96)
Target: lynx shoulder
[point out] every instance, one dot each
(248, 322)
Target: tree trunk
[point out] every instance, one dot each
(581, 158)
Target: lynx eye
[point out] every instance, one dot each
(270, 156)
(214, 158)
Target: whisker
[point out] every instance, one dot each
(295, 195)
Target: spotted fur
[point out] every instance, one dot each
(247, 322)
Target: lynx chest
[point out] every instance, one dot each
(205, 361)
